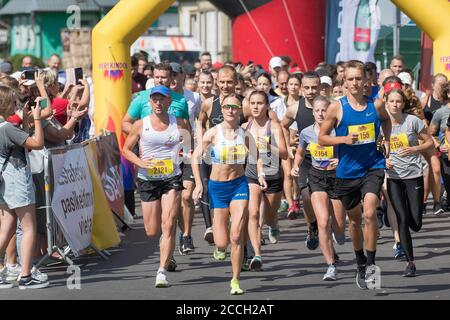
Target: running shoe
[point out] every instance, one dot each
(274, 234)
(13, 272)
(36, 273)
(437, 208)
(245, 265)
(338, 238)
(161, 280)
(312, 239)
(398, 251)
(235, 288)
(263, 241)
(361, 277)
(219, 255)
(208, 236)
(371, 275)
(188, 244)
(3, 283)
(31, 282)
(180, 244)
(293, 211)
(172, 265)
(331, 273)
(256, 263)
(283, 206)
(410, 270)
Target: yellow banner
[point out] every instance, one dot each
(104, 231)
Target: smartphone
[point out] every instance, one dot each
(43, 103)
(28, 74)
(78, 75)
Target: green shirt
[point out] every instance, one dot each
(140, 107)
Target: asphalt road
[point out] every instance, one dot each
(290, 271)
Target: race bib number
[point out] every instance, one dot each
(320, 153)
(160, 167)
(398, 142)
(232, 153)
(366, 132)
(262, 144)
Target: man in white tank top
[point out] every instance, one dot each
(159, 175)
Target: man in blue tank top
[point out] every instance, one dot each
(360, 172)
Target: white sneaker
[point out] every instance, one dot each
(331, 273)
(208, 236)
(161, 280)
(13, 272)
(274, 234)
(38, 274)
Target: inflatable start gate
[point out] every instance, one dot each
(116, 32)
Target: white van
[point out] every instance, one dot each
(181, 49)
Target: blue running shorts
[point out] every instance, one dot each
(221, 193)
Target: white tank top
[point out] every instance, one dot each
(229, 151)
(163, 147)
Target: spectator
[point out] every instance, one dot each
(206, 61)
(397, 64)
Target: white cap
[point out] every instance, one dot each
(405, 77)
(327, 80)
(18, 76)
(275, 62)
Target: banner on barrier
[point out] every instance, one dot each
(73, 198)
(104, 231)
(109, 167)
(352, 30)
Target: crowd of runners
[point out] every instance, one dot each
(342, 146)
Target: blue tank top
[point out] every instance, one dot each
(355, 160)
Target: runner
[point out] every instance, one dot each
(140, 107)
(227, 186)
(322, 176)
(360, 172)
(290, 188)
(159, 174)
(271, 147)
(397, 64)
(404, 175)
(437, 127)
(210, 116)
(186, 214)
(303, 116)
(278, 106)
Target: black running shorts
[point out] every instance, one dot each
(322, 181)
(273, 186)
(352, 191)
(187, 172)
(153, 190)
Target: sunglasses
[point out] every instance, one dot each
(231, 106)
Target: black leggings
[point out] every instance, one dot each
(205, 172)
(407, 200)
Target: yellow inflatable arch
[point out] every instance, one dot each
(116, 32)
(111, 63)
(433, 18)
